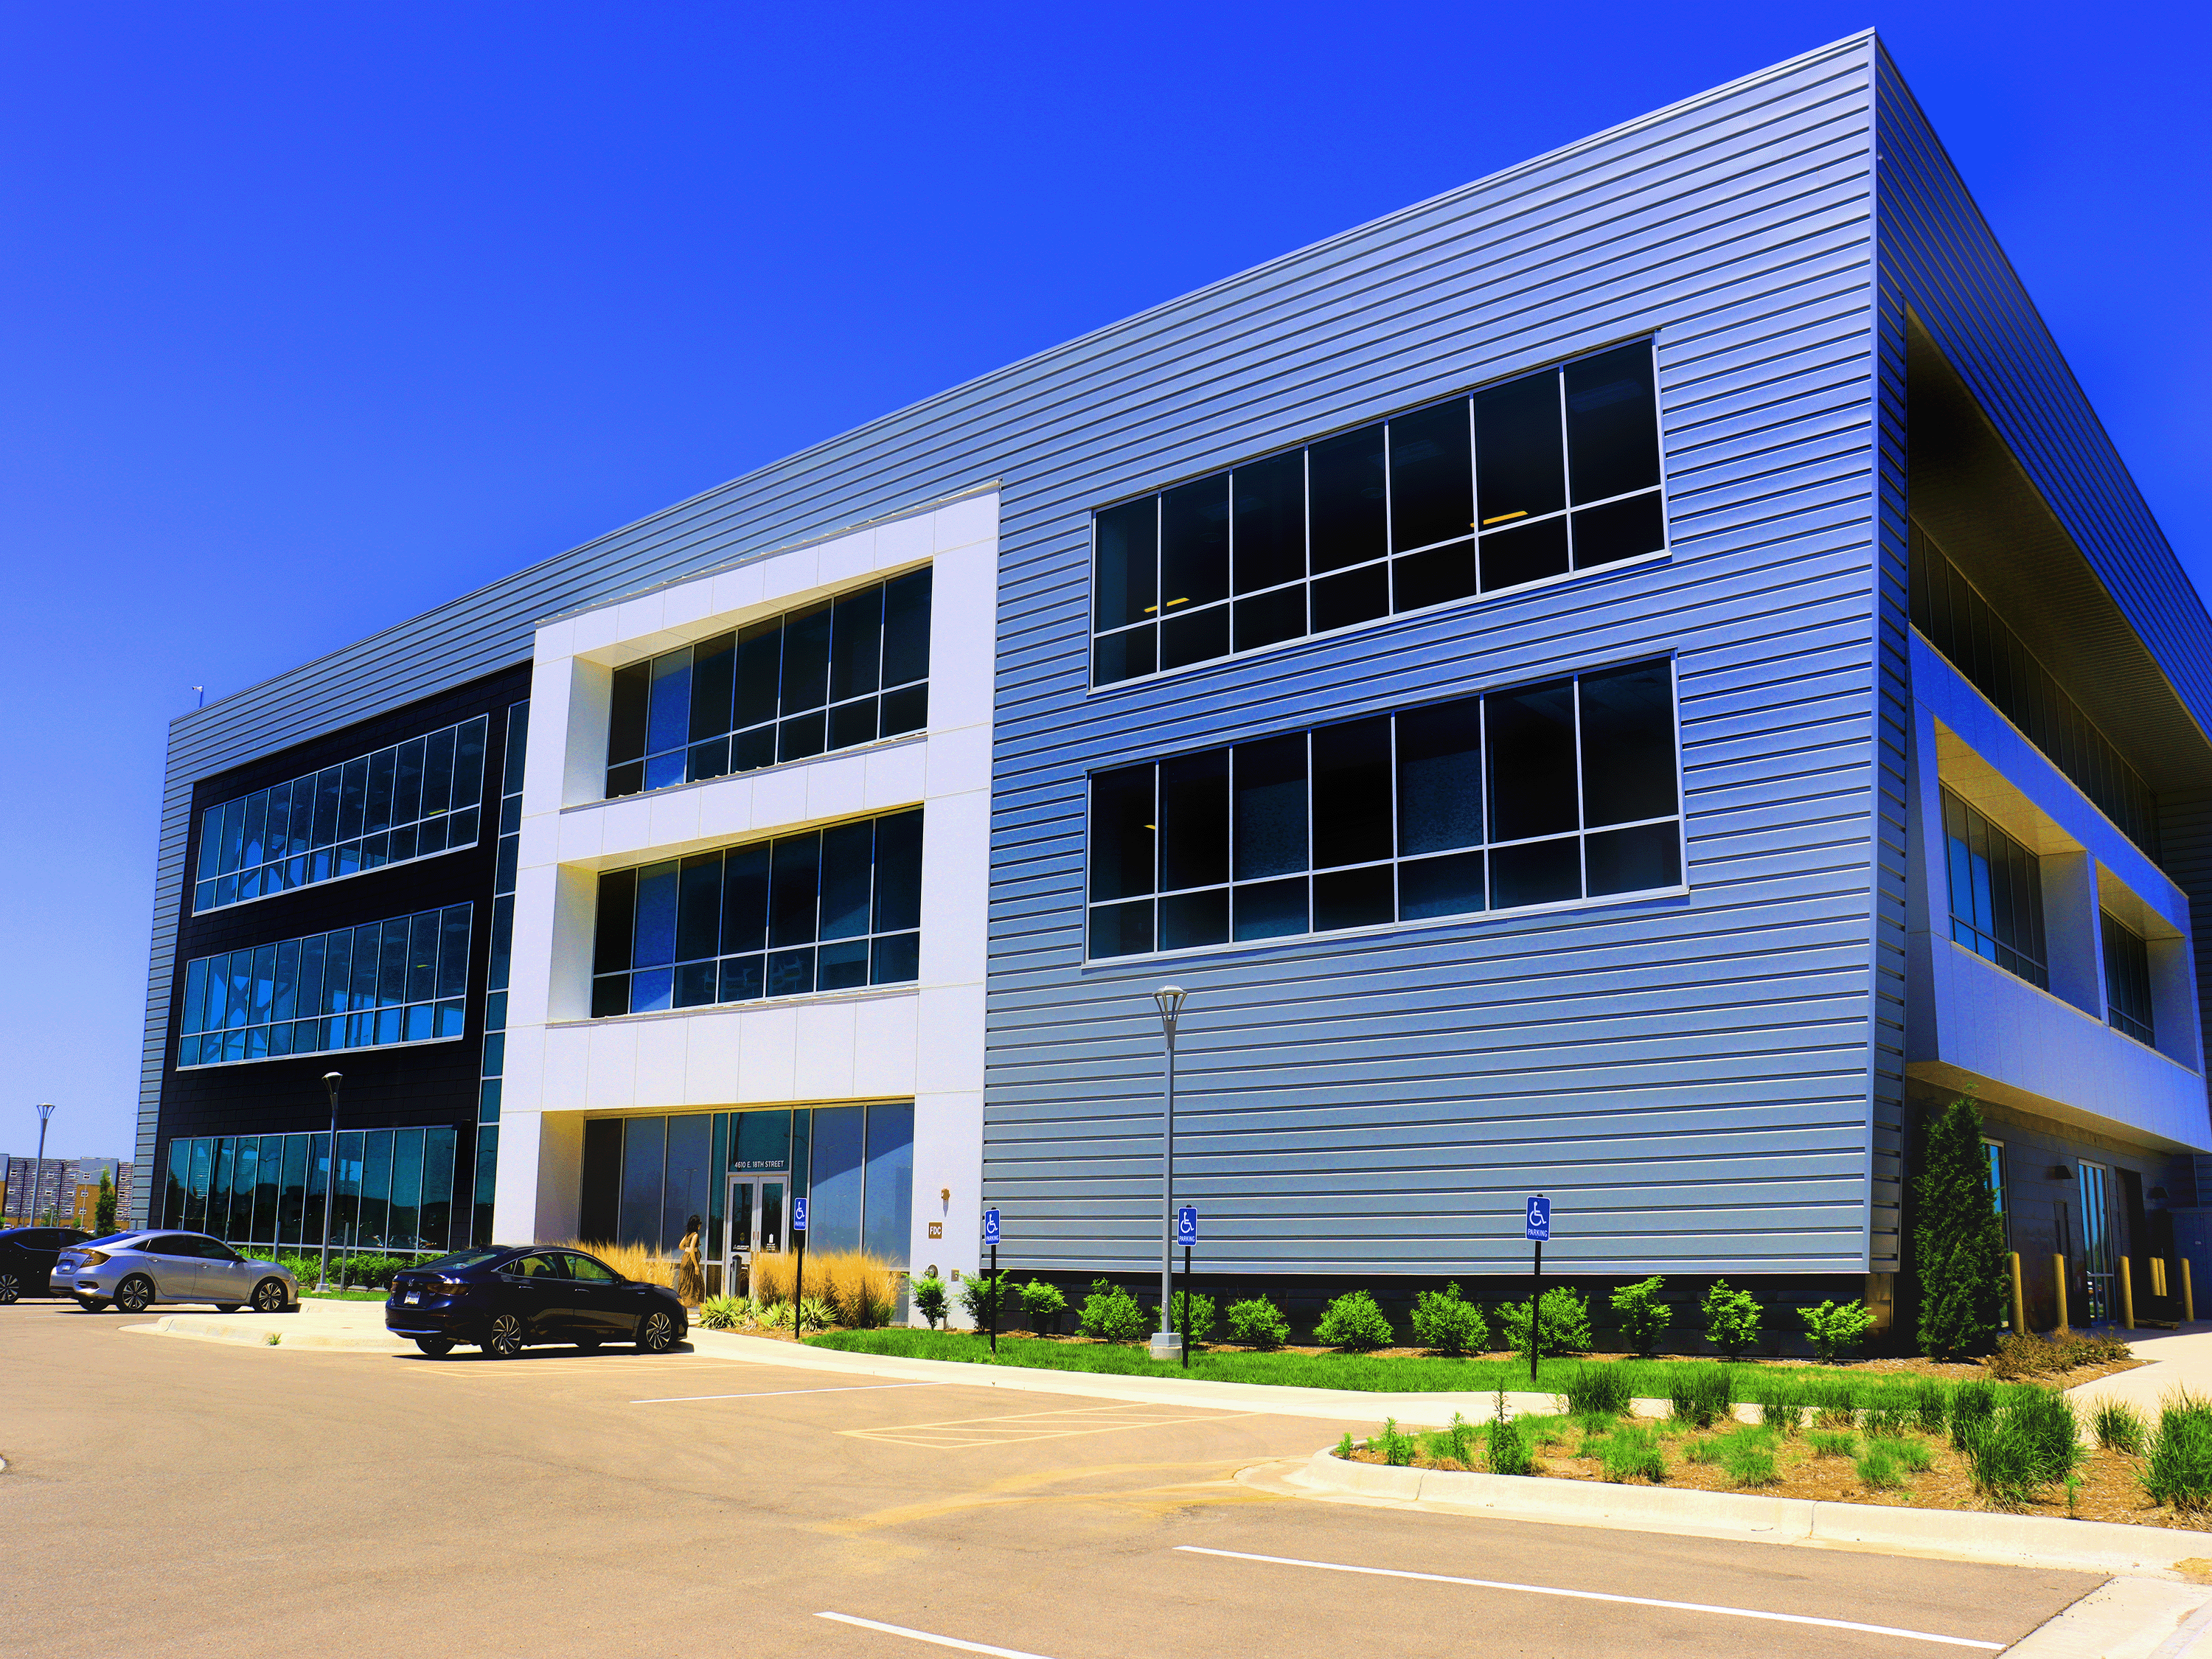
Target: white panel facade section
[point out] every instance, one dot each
(924, 1042)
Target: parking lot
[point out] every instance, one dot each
(171, 1497)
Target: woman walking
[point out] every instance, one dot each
(690, 1283)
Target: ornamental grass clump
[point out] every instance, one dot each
(1834, 1401)
(1699, 1396)
(1258, 1323)
(1446, 1323)
(1880, 1467)
(1781, 1403)
(1630, 1453)
(2119, 1427)
(1931, 1404)
(1597, 1391)
(2178, 1470)
(1973, 1406)
(1825, 1444)
(1353, 1321)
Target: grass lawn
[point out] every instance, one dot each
(308, 1295)
(1648, 1379)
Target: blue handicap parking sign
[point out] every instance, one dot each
(990, 1226)
(1539, 1219)
(799, 1215)
(1187, 1225)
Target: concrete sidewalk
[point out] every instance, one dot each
(2178, 1359)
(321, 1325)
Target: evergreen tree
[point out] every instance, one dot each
(1958, 1242)
(103, 1215)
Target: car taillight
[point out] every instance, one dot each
(92, 1258)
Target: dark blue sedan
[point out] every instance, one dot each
(503, 1298)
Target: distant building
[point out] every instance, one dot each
(26, 1191)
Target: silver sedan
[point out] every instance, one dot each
(135, 1270)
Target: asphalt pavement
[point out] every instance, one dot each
(192, 1497)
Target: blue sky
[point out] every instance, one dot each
(312, 317)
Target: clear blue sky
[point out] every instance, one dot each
(312, 317)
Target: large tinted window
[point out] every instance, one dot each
(846, 670)
(2127, 981)
(410, 801)
(1537, 794)
(1552, 472)
(405, 980)
(1996, 893)
(826, 910)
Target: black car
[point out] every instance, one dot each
(502, 1297)
(27, 1256)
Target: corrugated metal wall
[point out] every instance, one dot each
(1690, 1079)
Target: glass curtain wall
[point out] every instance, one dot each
(853, 1164)
(410, 801)
(395, 1193)
(495, 978)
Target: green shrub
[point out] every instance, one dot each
(1397, 1447)
(1629, 1452)
(1258, 1323)
(1930, 1404)
(1836, 1328)
(2179, 1471)
(1344, 1447)
(1112, 1314)
(1732, 1318)
(1640, 1314)
(1832, 1445)
(1456, 1441)
(1445, 1322)
(981, 1293)
(1973, 1406)
(1597, 1390)
(1354, 1321)
(1196, 1314)
(928, 1294)
(1699, 1396)
(2119, 1427)
(724, 1313)
(1043, 1304)
(1508, 1449)
(2023, 1355)
(1958, 1240)
(1566, 1318)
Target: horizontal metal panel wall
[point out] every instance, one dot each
(1687, 1079)
(1722, 1045)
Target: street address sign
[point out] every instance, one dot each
(990, 1226)
(799, 1215)
(1187, 1225)
(1539, 1219)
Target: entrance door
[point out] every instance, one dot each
(2097, 1239)
(755, 1222)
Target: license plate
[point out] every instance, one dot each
(410, 1296)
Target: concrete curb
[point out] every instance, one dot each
(256, 1336)
(1955, 1535)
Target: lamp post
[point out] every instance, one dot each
(38, 1180)
(331, 1081)
(1170, 999)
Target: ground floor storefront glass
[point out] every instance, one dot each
(395, 1189)
(644, 1177)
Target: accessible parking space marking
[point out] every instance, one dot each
(960, 1434)
(934, 1639)
(1601, 1595)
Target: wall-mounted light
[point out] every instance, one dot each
(2060, 1172)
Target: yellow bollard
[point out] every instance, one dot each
(2019, 1299)
(2058, 1284)
(2158, 1276)
(2188, 1299)
(2127, 1296)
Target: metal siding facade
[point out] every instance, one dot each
(1690, 1078)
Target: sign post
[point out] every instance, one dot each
(991, 1296)
(1540, 1229)
(1186, 1236)
(799, 1273)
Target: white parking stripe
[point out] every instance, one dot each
(772, 1393)
(1599, 1595)
(926, 1636)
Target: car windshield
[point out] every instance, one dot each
(460, 1259)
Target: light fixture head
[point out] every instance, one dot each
(1170, 998)
(45, 1110)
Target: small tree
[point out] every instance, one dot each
(1958, 1242)
(103, 1212)
(1835, 1328)
(929, 1299)
(1639, 1313)
(1732, 1318)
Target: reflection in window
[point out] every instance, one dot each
(1540, 795)
(1996, 893)
(384, 982)
(827, 910)
(2127, 981)
(266, 1192)
(1553, 472)
(408, 801)
(845, 672)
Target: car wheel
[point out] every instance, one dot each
(504, 1339)
(134, 1294)
(10, 1288)
(436, 1346)
(92, 1303)
(269, 1296)
(226, 1307)
(656, 1333)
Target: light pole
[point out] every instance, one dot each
(1170, 998)
(38, 1180)
(331, 1081)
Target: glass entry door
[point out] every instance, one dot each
(755, 1222)
(2097, 1240)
